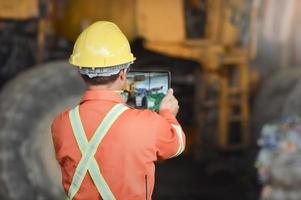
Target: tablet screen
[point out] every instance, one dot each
(146, 89)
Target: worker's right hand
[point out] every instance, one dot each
(170, 102)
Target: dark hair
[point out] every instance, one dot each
(100, 80)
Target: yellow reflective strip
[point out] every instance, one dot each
(82, 142)
(81, 128)
(180, 138)
(78, 176)
(104, 127)
(100, 182)
(88, 151)
(180, 134)
(106, 124)
(77, 128)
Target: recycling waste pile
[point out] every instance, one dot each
(279, 160)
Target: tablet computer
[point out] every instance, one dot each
(146, 89)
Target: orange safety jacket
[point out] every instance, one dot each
(126, 154)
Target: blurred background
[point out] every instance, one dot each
(235, 67)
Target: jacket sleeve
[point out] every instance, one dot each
(170, 138)
(55, 133)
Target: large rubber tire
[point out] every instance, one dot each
(277, 98)
(293, 104)
(28, 169)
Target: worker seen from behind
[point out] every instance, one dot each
(107, 150)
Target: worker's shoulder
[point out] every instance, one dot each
(61, 118)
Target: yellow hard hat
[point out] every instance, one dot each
(100, 45)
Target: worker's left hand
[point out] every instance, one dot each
(170, 102)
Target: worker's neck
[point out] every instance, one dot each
(113, 87)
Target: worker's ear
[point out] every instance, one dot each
(122, 74)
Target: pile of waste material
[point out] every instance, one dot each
(279, 160)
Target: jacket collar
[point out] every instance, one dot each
(104, 95)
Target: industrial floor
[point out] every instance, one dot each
(231, 177)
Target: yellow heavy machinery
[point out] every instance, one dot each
(219, 50)
(209, 32)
